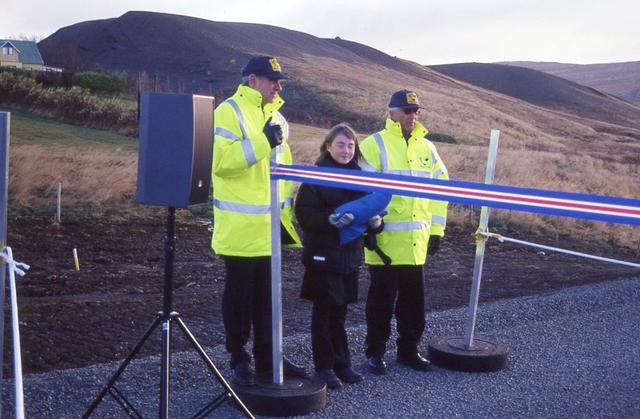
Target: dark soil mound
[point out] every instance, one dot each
(187, 54)
(202, 52)
(619, 79)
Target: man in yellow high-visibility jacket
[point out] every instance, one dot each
(413, 227)
(250, 133)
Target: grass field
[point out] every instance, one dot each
(98, 172)
(97, 169)
(27, 128)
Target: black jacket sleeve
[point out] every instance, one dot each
(310, 212)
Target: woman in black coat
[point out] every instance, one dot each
(331, 270)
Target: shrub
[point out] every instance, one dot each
(17, 89)
(101, 82)
(438, 137)
(75, 105)
(26, 73)
(54, 78)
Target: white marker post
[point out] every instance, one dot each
(5, 118)
(15, 327)
(276, 285)
(480, 245)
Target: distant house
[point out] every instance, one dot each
(20, 54)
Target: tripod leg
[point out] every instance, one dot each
(212, 367)
(120, 370)
(164, 368)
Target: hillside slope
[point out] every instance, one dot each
(620, 79)
(542, 89)
(330, 80)
(183, 46)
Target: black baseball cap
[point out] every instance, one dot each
(405, 99)
(264, 66)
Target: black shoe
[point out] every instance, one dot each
(242, 375)
(292, 370)
(415, 361)
(329, 377)
(377, 365)
(349, 376)
(288, 368)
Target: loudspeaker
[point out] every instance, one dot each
(176, 149)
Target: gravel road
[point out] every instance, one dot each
(572, 353)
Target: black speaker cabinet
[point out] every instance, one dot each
(176, 149)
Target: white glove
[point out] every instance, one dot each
(375, 222)
(340, 220)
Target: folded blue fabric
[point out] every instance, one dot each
(362, 209)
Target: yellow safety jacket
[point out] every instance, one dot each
(410, 221)
(241, 176)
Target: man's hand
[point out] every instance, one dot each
(434, 245)
(273, 132)
(340, 220)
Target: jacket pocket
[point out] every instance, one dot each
(321, 259)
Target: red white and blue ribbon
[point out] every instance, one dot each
(566, 204)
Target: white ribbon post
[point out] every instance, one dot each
(276, 286)
(15, 268)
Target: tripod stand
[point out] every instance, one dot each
(165, 318)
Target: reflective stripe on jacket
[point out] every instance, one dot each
(410, 221)
(282, 155)
(241, 175)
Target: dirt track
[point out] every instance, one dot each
(72, 319)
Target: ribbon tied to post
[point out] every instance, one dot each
(16, 267)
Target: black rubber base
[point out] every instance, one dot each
(484, 355)
(294, 397)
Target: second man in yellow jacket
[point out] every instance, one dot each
(413, 228)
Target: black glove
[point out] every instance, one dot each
(434, 245)
(370, 241)
(273, 132)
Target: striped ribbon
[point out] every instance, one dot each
(591, 207)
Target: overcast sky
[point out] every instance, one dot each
(425, 31)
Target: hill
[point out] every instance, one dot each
(331, 80)
(619, 79)
(542, 89)
(203, 53)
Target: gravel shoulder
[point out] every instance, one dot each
(573, 353)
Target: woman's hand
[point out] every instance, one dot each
(340, 220)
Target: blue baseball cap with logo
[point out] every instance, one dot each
(265, 67)
(405, 99)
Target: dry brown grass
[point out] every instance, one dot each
(517, 166)
(305, 142)
(460, 109)
(101, 175)
(96, 177)
(551, 171)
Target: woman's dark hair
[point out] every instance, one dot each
(344, 129)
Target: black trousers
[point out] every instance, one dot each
(328, 337)
(247, 302)
(399, 290)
